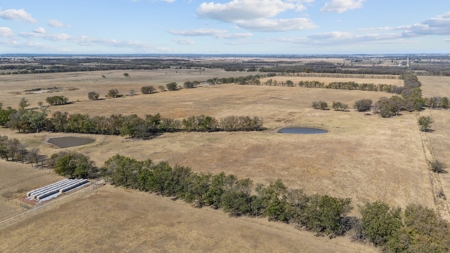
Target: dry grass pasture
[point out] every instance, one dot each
(440, 136)
(117, 220)
(435, 86)
(15, 180)
(365, 158)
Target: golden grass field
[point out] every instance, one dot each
(366, 158)
(440, 137)
(117, 220)
(15, 180)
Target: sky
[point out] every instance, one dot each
(224, 26)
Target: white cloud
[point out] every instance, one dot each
(219, 34)
(6, 32)
(345, 38)
(40, 30)
(341, 6)
(17, 15)
(257, 15)
(56, 23)
(90, 41)
(185, 41)
(198, 32)
(277, 25)
(31, 45)
(235, 36)
(243, 9)
(439, 25)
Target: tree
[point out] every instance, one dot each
(325, 214)
(132, 93)
(5, 115)
(126, 75)
(33, 156)
(425, 123)
(57, 100)
(74, 165)
(189, 85)
(172, 86)
(113, 93)
(161, 88)
(147, 89)
(379, 222)
(23, 104)
(93, 95)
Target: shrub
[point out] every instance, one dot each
(148, 89)
(172, 86)
(57, 100)
(425, 123)
(161, 88)
(126, 75)
(113, 93)
(93, 95)
(189, 85)
(437, 166)
(363, 105)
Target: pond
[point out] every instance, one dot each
(67, 142)
(302, 130)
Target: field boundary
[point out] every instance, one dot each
(440, 203)
(333, 75)
(54, 203)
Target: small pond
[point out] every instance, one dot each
(302, 130)
(67, 142)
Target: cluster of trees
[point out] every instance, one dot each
(36, 120)
(389, 88)
(416, 229)
(148, 89)
(14, 150)
(338, 106)
(436, 102)
(319, 213)
(57, 100)
(320, 105)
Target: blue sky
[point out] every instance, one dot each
(224, 26)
